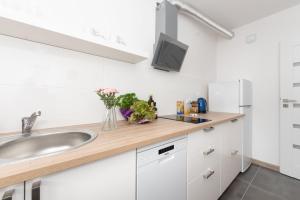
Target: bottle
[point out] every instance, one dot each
(194, 109)
(180, 107)
(187, 107)
(152, 103)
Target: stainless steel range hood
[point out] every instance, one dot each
(169, 53)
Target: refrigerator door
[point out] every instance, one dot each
(245, 92)
(246, 137)
(224, 97)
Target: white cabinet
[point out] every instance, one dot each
(204, 164)
(110, 179)
(15, 192)
(231, 159)
(214, 160)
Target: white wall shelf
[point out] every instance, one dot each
(21, 30)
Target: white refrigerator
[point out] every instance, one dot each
(235, 97)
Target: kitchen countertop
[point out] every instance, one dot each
(125, 138)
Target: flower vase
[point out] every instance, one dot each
(110, 122)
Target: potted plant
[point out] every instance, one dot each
(124, 102)
(142, 112)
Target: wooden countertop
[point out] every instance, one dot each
(126, 137)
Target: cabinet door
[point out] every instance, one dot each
(112, 178)
(204, 164)
(15, 192)
(231, 152)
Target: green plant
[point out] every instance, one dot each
(142, 111)
(125, 101)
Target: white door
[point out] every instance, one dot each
(290, 109)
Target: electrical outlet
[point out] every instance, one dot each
(250, 39)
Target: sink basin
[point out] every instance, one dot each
(43, 144)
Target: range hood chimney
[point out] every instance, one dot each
(169, 53)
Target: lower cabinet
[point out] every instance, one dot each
(231, 160)
(15, 192)
(112, 178)
(204, 164)
(214, 160)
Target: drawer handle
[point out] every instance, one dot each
(8, 195)
(234, 120)
(209, 129)
(296, 146)
(234, 153)
(208, 174)
(296, 125)
(35, 191)
(206, 153)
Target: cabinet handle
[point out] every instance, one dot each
(234, 120)
(209, 129)
(234, 152)
(208, 174)
(289, 100)
(296, 125)
(8, 195)
(35, 191)
(296, 146)
(209, 151)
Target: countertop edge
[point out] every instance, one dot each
(76, 162)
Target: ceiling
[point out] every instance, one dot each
(235, 13)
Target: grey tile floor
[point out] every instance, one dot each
(262, 184)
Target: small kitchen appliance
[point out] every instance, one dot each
(202, 105)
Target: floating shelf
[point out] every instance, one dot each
(21, 30)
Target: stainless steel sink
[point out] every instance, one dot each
(38, 145)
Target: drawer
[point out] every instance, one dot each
(206, 188)
(202, 139)
(203, 152)
(197, 163)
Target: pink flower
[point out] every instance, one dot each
(107, 91)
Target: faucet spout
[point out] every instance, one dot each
(28, 122)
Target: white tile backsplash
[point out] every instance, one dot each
(62, 83)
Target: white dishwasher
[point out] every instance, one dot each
(162, 171)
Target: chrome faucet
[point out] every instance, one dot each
(28, 122)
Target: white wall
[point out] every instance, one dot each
(62, 83)
(259, 62)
